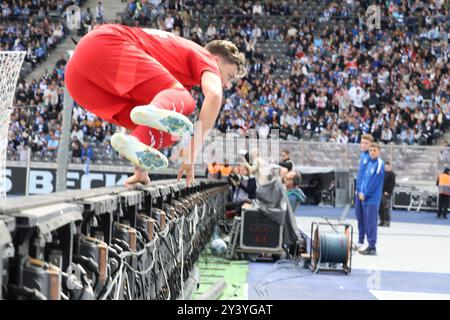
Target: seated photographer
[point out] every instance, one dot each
(243, 186)
(234, 175)
(295, 194)
(258, 166)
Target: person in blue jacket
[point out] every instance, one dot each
(370, 194)
(366, 140)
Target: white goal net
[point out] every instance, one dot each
(10, 65)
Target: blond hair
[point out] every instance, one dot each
(367, 136)
(375, 145)
(228, 51)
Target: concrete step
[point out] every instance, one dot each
(445, 136)
(112, 7)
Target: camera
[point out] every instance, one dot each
(234, 178)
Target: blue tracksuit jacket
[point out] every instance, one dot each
(372, 182)
(363, 161)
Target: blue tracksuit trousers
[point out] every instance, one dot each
(359, 213)
(371, 223)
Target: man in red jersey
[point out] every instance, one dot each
(139, 79)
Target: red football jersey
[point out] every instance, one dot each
(184, 59)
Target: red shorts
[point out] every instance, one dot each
(109, 76)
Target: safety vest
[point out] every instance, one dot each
(444, 184)
(213, 168)
(225, 171)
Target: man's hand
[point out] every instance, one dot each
(189, 169)
(361, 197)
(246, 206)
(386, 193)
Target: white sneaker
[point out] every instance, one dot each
(358, 246)
(138, 153)
(361, 248)
(164, 120)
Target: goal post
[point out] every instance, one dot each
(10, 66)
(64, 144)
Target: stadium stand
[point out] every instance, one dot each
(315, 73)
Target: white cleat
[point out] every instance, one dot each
(138, 153)
(164, 120)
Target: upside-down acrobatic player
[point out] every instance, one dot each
(140, 79)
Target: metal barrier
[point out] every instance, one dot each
(107, 243)
(410, 163)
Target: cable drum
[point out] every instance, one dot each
(331, 248)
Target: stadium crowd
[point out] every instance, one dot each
(342, 80)
(28, 26)
(36, 118)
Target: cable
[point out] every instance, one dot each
(144, 272)
(276, 280)
(182, 256)
(108, 276)
(164, 274)
(127, 280)
(294, 263)
(196, 233)
(117, 248)
(196, 224)
(123, 263)
(281, 264)
(88, 263)
(91, 266)
(167, 246)
(112, 284)
(144, 234)
(113, 253)
(27, 292)
(122, 244)
(119, 286)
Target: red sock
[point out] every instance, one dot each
(176, 99)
